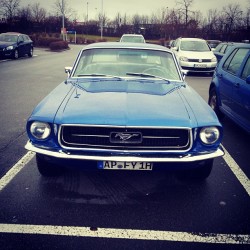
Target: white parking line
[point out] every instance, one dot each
(125, 234)
(20, 58)
(6, 179)
(240, 175)
(5, 60)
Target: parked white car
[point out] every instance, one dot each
(194, 55)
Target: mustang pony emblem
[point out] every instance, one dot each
(125, 137)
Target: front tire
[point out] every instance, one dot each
(15, 54)
(30, 54)
(47, 168)
(199, 173)
(213, 102)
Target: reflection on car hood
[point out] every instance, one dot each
(127, 103)
(6, 44)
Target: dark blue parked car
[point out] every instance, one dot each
(14, 45)
(125, 106)
(229, 92)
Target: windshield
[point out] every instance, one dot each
(132, 39)
(122, 62)
(8, 38)
(194, 46)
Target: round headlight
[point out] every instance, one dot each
(184, 59)
(209, 135)
(214, 59)
(10, 47)
(40, 130)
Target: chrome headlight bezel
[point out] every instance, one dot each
(209, 135)
(40, 130)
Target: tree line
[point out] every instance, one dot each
(231, 23)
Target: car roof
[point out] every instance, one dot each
(192, 39)
(11, 33)
(113, 45)
(230, 42)
(241, 45)
(213, 40)
(234, 44)
(133, 35)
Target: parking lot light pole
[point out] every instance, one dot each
(101, 19)
(63, 25)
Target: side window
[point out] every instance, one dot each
(26, 38)
(234, 64)
(218, 47)
(246, 70)
(20, 39)
(174, 43)
(177, 44)
(223, 48)
(227, 62)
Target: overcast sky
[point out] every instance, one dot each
(131, 7)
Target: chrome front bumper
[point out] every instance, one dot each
(125, 158)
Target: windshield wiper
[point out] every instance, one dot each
(147, 75)
(99, 75)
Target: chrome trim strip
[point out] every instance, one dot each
(122, 126)
(125, 158)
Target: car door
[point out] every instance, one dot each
(241, 94)
(28, 44)
(228, 79)
(21, 45)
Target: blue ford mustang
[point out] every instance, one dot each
(125, 106)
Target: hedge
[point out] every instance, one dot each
(59, 45)
(43, 41)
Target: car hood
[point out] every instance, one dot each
(126, 103)
(197, 54)
(6, 44)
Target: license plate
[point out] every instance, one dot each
(114, 165)
(200, 65)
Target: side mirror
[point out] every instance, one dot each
(184, 73)
(248, 80)
(68, 70)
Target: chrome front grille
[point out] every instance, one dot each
(125, 138)
(200, 60)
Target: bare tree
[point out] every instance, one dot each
(38, 13)
(25, 13)
(162, 18)
(212, 23)
(62, 7)
(185, 6)
(8, 8)
(232, 17)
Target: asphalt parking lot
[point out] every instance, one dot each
(89, 210)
